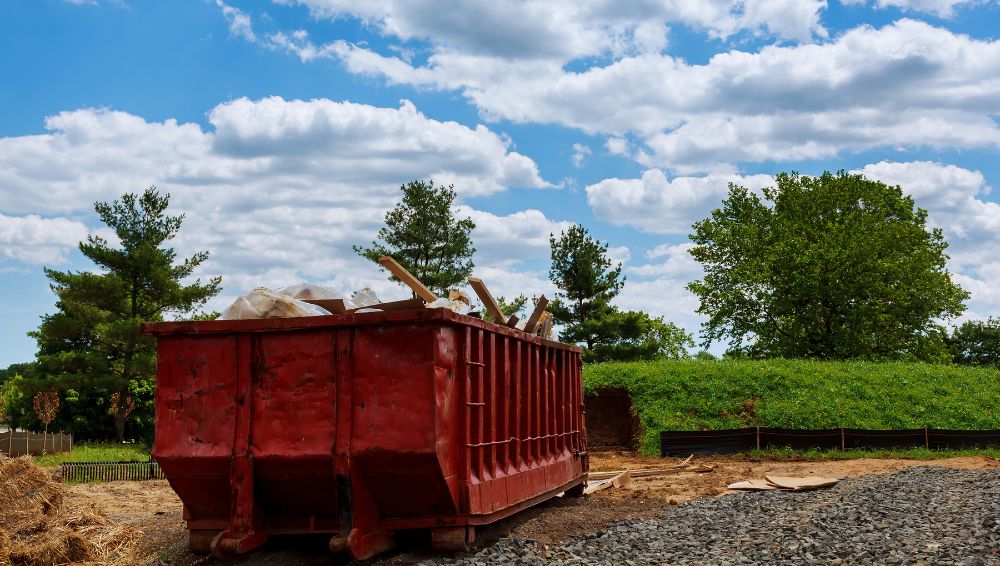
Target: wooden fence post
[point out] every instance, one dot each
(758, 438)
(843, 444)
(927, 439)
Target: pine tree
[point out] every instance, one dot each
(587, 281)
(423, 234)
(94, 340)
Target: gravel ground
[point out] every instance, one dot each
(923, 515)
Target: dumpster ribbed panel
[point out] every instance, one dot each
(523, 404)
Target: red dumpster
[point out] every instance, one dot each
(359, 426)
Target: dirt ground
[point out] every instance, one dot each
(153, 507)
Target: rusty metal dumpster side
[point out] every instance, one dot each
(362, 425)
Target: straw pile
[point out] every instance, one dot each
(36, 529)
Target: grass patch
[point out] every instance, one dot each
(815, 454)
(707, 395)
(97, 452)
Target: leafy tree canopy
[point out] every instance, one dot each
(976, 342)
(93, 342)
(834, 267)
(424, 234)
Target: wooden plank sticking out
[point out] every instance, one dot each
(536, 315)
(488, 301)
(407, 278)
(512, 321)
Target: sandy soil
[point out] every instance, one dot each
(155, 509)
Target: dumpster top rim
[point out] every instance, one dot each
(198, 327)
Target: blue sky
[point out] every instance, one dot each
(283, 128)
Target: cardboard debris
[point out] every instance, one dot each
(785, 483)
(801, 484)
(752, 485)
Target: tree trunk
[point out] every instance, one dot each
(121, 414)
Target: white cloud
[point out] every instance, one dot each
(36, 240)
(513, 238)
(580, 153)
(656, 204)
(674, 260)
(239, 21)
(940, 8)
(277, 190)
(565, 30)
(905, 85)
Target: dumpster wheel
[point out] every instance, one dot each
(200, 542)
(453, 539)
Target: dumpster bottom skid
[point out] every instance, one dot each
(361, 426)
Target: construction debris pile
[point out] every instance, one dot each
(37, 529)
(306, 299)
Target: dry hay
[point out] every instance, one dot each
(36, 529)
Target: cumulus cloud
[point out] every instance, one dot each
(278, 190)
(563, 29)
(654, 203)
(507, 240)
(906, 84)
(36, 240)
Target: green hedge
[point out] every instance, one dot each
(703, 395)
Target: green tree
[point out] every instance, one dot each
(632, 335)
(976, 342)
(587, 280)
(832, 267)
(93, 342)
(424, 234)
